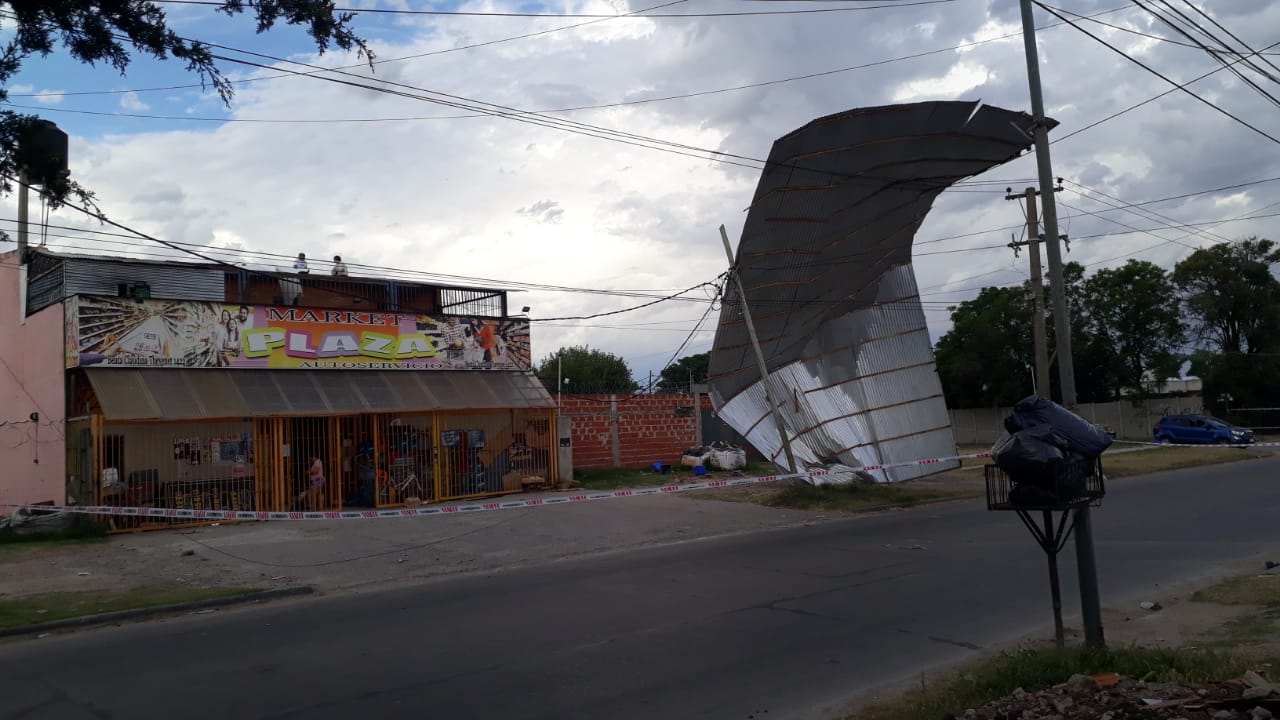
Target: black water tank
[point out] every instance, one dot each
(42, 150)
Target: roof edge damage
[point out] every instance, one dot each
(825, 265)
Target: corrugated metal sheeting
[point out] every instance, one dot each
(167, 281)
(825, 259)
(179, 394)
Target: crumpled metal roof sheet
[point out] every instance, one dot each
(825, 260)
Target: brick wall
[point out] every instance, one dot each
(630, 430)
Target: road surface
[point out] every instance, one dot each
(782, 621)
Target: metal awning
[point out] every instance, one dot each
(178, 394)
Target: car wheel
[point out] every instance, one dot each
(1164, 440)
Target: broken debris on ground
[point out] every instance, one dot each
(1112, 697)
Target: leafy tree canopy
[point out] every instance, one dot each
(1132, 313)
(1231, 296)
(587, 370)
(677, 376)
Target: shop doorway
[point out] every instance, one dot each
(311, 440)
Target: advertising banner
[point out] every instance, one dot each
(109, 331)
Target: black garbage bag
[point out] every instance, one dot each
(1031, 455)
(1082, 437)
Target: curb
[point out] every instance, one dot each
(157, 610)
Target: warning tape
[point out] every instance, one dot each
(432, 510)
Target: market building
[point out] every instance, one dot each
(203, 386)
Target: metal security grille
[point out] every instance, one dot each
(184, 466)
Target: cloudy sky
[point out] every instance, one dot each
(303, 164)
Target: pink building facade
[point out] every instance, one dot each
(33, 447)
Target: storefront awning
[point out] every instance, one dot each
(177, 394)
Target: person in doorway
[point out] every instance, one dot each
(339, 267)
(300, 265)
(313, 496)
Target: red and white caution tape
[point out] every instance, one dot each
(432, 510)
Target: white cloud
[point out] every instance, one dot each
(43, 96)
(495, 198)
(959, 79)
(131, 102)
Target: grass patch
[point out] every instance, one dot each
(617, 478)
(1261, 590)
(1162, 459)
(35, 609)
(81, 530)
(859, 496)
(1258, 628)
(1036, 669)
(1243, 632)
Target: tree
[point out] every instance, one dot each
(986, 357)
(109, 32)
(677, 376)
(1131, 315)
(1092, 357)
(1231, 296)
(587, 370)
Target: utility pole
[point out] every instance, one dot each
(1090, 605)
(755, 343)
(1037, 289)
(24, 199)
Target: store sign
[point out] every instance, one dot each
(109, 331)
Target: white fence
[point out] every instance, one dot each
(1131, 419)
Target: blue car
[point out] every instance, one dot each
(1200, 430)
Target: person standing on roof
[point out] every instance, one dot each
(300, 265)
(339, 267)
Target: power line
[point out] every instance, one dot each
(1233, 36)
(625, 103)
(1157, 73)
(1148, 215)
(223, 263)
(578, 128)
(1131, 31)
(472, 46)
(467, 13)
(384, 272)
(1215, 54)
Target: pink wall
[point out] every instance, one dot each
(31, 380)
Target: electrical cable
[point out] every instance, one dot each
(1114, 203)
(473, 46)
(384, 272)
(1215, 54)
(1233, 35)
(465, 13)
(1162, 76)
(1131, 31)
(626, 103)
(222, 263)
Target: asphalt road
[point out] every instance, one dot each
(766, 625)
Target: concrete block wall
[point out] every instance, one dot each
(630, 430)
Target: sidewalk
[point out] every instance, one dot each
(352, 555)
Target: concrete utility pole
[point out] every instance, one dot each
(1090, 604)
(1037, 290)
(24, 199)
(755, 344)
